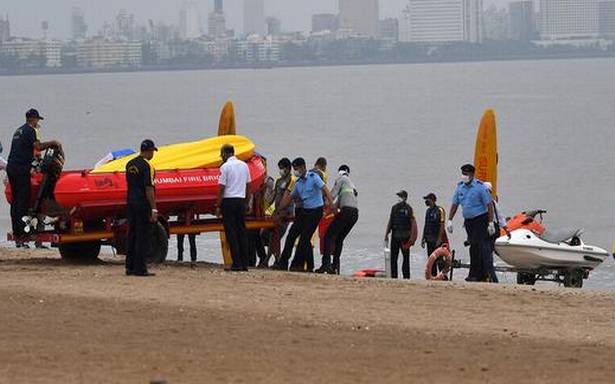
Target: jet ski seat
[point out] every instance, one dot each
(556, 237)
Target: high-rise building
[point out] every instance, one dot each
(473, 21)
(216, 23)
(125, 26)
(79, 28)
(360, 16)
(389, 29)
(566, 19)
(219, 6)
(442, 21)
(324, 22)
(522, 20)
(274, 26)
(5, 29)
(189, 21)
(496, 23)
(607, 18)
(254, 17)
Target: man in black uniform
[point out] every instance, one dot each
(142, 212)
(25, 142)
(434, 233)
(403, 225)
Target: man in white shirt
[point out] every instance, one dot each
(232, 197)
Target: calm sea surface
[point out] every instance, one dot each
(398, 126)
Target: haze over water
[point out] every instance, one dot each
(399, 126)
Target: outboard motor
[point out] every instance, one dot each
(51, 166)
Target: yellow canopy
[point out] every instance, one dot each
(196, 154)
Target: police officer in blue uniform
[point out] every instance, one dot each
(472, 195)
(25, 141)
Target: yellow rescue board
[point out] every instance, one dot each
(227, 126)
(486, 152)
(196, 154)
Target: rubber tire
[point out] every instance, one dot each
(160, 245)
(80, 252)
(524, 278)
(574, 278)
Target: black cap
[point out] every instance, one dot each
(430, 196)
(33, 114)
(403, 194)
(148, 145)
(469, 168)
(344, 168)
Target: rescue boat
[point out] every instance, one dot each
(180, 185)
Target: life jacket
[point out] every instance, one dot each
(400, 220)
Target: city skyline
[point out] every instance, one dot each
(26, 15)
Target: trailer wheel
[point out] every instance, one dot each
(524, 278)
(160, 245)
(574, 278)
(82, 252)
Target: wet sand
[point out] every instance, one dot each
(64, 323)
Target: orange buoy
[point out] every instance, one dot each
(443, 251)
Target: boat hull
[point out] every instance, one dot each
(94, 196)
(525, 250)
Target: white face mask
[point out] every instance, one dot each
(343, 173)
(465, 179)
(283, 172)
(297, 174)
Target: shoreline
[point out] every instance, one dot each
(69, 323)
(346, 63)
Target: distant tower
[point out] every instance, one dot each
(45, 28)
(219, 6)
(360, 16)
(274, 26)
(78, 25)
(216, 22)
(5, 29)
(125, 26)
(254, 17)
(522, 20)
(189, 21)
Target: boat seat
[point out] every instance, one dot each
(559, 236)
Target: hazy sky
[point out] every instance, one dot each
(26, 15)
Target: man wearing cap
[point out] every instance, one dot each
(142, 212)
(234, 182)
(434, 234)
(402, 225)
(475, 200)
(25, 142)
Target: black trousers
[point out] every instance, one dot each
(481, 256)
(140, 238)
(21, 190)
(396, 246)
(311, 219)
(255, 248)
(439, 264)
(336, 234)
(180, 247)
(234, 220)
(293, 233)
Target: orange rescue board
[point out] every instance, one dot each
(486, 152)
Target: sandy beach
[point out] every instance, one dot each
(65, 323)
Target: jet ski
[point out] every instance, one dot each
(533, 246)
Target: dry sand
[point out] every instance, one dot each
(64, 323)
